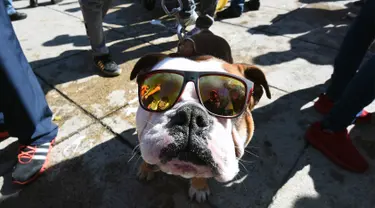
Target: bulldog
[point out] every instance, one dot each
(194, 119)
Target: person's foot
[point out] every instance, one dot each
(17, 16)
(56, 1)
(252, 5)
(324, 105)
(337, 146)
(33, 3)
(32, 161)
(107, 65)
(3, 135)
(230, 12)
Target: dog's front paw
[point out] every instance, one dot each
(146, 172)
(199, 190)
(145, 176)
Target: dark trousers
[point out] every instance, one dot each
(24, 112)
(353, 85)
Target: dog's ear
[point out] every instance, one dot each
(146, 63)
(257, 76)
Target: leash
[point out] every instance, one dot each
(174, 12)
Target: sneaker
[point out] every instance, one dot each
(107, 65)
(252, 5)
(56, 1)
(17, 16)
(32, 161)
(324, 105)
(230, 12)
(3, 135)
(338, 147)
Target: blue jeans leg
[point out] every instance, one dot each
(9, 7)
(238, 4)
(2, 122)
(22, 101)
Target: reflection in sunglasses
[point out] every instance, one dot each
(159, 90)
(222, 95)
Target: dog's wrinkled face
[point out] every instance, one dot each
(188, 141)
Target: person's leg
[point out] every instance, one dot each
(234, 10)
(188, 13)
(331, 136)
(359, 93)
(93, 13)
(13, 14)
(24, 107)
(9, 7)
(352, 91)
(352, 51)
(205, 20)
(3, 132)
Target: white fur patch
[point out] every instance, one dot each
(183, 64)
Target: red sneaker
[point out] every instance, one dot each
(324, 105)
(337, 147)
(3, 135)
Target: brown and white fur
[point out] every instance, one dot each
(220, 143)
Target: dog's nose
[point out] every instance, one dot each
(192, 117)
(189, 128)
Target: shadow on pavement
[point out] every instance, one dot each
(312, 28)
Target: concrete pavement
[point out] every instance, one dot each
(93, 163)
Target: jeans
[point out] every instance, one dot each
(351, 90)
(93, 12)
(238, 3)
(9, 7)
(24, 111)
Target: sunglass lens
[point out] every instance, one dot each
(159, 91)
(222, 95)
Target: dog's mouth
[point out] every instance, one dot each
(186, 169)
(191, 157)
(188, 164)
